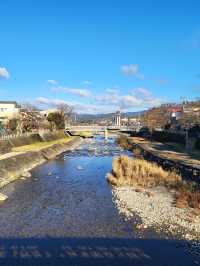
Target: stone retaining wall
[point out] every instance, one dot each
(7, 145)
(187, 171)
(13, 167)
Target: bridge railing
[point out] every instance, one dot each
(8, 136)
(97, 128)
(17, 135)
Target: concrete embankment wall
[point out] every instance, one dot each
(13, 167)
(7, 145)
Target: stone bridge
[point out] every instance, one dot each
(96, 128)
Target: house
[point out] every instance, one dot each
(8, 110)
(175, 113)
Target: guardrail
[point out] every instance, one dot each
(25, 134)
(86, 128)
(11, 136)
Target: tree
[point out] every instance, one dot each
(157, 117)
(1, 125)
(29, 107)
(12, 124)
(66, 112)
(30, 117)
(1, 128)
(189, 119)
(56, 120)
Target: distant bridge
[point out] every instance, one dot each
(96, 128)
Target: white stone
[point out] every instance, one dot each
(158, 211)
(79, 167)
(26, 174)
(3, 197)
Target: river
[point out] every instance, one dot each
(69, 199)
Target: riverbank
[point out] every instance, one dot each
(156, 210)
(24, 158)
(161, 199)
(168, 157)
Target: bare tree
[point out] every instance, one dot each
(66, 112)
(30, 117)
(156, 118)
(29, 107)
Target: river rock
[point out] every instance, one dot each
(79, 167)
(3, 197)
(26, 174)
(157, 210)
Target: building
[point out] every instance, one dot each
(124, 121)
(117, 119)
(175, 113)
(8, 110)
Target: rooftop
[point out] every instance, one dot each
(10, 102)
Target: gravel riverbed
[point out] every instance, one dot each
(155, 208)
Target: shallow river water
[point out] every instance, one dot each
(66, 211)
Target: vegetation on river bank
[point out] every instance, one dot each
(83, 134)
(139, 173)
(40, 145)
(124, 142)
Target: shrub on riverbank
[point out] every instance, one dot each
(188, 196)
(137, 152)
(143, 174)
(124, 142)
(138, 172)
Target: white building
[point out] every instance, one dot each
(8, 110)
(117, 119)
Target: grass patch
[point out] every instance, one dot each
(142, 174)
(83, 134)
(188, 195)
(86, 134)
(137, 152)
(124, 142)
(138, 172)
(40, 145)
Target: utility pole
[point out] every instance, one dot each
(187, 146)
(187, 143)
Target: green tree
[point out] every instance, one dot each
(56, 120)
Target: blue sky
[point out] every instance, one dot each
(99, 56)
